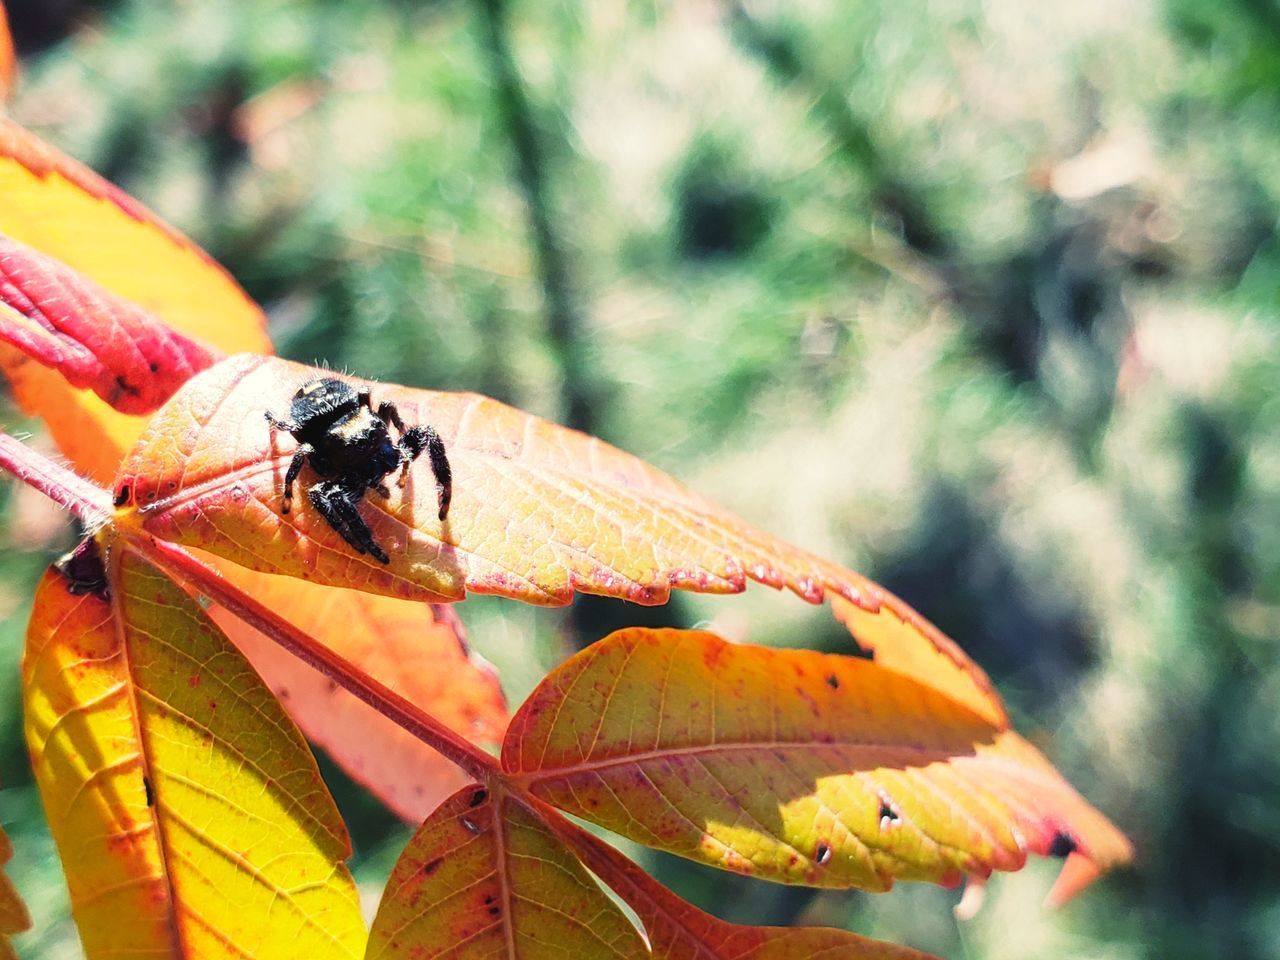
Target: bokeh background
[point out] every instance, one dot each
(976, 296)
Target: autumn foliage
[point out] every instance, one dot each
(177, 659)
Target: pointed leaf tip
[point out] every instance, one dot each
(791, 765)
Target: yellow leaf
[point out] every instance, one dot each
(483, 877)
(791, 765)
(188, 812)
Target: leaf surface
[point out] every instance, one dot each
(14, 917)
(95, 339)
(791, 765)
(189, 815)
(484, 877)
(904, 642)
(680, 931)
(59, 207)
(539, 511)
(415, 649)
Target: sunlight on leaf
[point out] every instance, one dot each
(904, 642)
(483, 877)
(791, 765)
(680, 931)
(539, 511)
(187, 810)
(415, 649)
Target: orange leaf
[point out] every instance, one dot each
(538, 512)
(791, 765)
(13, 912)
(95, 339)
(61, 208)
(680, 931)
(415, 649)
(903, 641)
(483, 877)
(188, 812)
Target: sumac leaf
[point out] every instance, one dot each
(791, 765)
(484, 877)
(189, 814)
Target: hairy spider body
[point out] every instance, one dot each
(348, 444)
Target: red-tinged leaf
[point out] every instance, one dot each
(415, 649)
(903, 641)
(61, 208)
(484, 877)
(13, 912)
(680, 931)
(791, 765)
(95, 339)
(538, 511)
(189, 814)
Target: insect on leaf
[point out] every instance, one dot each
(13, 912)
(790, 765)
(415, 649)
(60, 208)
(189, 814)
(484, 877)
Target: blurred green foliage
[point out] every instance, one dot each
(977, 297)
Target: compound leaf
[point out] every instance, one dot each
(416, 649)
(484, 877)
(792, 765)
(190, 817)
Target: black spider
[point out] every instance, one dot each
(348, 445)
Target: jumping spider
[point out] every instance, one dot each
(348, 445)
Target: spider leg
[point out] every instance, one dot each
(414, 441)
(388, 414)
(278, 424)
(336, 502)
(300, 456)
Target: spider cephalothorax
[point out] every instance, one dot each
(348, 444)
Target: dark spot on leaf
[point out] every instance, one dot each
(479, 797)
(495, 911)
(833, 681)
(1063, 845)
(83, 570)
(431, 866)
(488, 899)
(126, 387)
(888, 813)
(153, 367)
(122, 495)
(146, 785)
(822, 856)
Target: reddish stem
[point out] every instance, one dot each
(90, 504)
(179, 564)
